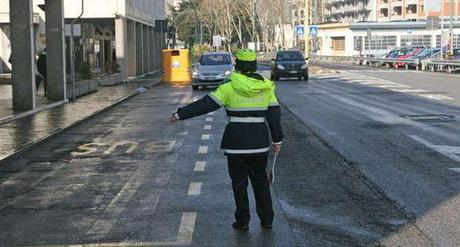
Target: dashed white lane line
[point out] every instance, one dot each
(211, 113)
(206, 137)
(436, 96)
(408, 90)
(209, 119)
(200, 166)
(203, 150)
(207, 127)
(194, 189)
(455, 169)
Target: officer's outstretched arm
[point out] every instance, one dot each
(208, 103)
(274, 119)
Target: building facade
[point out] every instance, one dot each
(341, 11)
(112, 35)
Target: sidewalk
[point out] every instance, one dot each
(19, 134)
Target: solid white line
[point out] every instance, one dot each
(209, 119)
(184, 236)
(203, 150)
(194, 189)
(455, 169)
(208, 127)
(200, 166)
(205, 137)
(118, 204)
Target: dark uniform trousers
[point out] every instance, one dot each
(240, 168)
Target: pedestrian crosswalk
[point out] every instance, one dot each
(356, 77)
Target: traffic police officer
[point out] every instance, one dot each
(254, 116)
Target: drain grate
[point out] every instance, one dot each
(430, 118)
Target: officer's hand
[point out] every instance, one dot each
(277, 147)
(173, 118)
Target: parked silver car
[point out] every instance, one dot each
(212, 69)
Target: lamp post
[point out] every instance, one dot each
(307, 29)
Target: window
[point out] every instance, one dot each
(358, 43)
(380, 43)
(215, 59)
(456, 42)
(338, 43)
(289, 56)
(416, 40)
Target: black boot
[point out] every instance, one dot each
(242, 227)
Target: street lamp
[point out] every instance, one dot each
(307, 29)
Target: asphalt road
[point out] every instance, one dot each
(362, 165)
(403, 141)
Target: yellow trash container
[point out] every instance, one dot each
(176, 65)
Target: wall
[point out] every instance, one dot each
(146, 11)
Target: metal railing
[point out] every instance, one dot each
(433, 65)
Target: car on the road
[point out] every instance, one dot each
(290, 64)
(212, 69)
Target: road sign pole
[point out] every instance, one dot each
(307, 28)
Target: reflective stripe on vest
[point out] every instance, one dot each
(247, 119)
(247, 151)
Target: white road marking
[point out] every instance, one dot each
(206, 137)
(408, 90)
(452, 152)
(183, 133)
(211, 113)
(203, 150)
(455, 169)
(184, 236)
(209, 119)
(118, 204)
(392, 86)
(208, 127)
(436, 96)
(194, 189)
(200, 166)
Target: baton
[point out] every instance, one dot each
(271, 173)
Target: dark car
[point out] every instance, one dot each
(289, 64)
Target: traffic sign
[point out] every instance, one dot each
(314, 30)
(300, 30)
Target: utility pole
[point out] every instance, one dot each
(451, 28)
(307, 29)
(442, 28)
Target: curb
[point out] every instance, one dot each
(32, 144)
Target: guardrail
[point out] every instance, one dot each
(433, 65)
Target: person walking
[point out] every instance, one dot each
(41, 67)
(254, 115)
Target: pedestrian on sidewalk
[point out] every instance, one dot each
(253, 111)
(41, 66)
